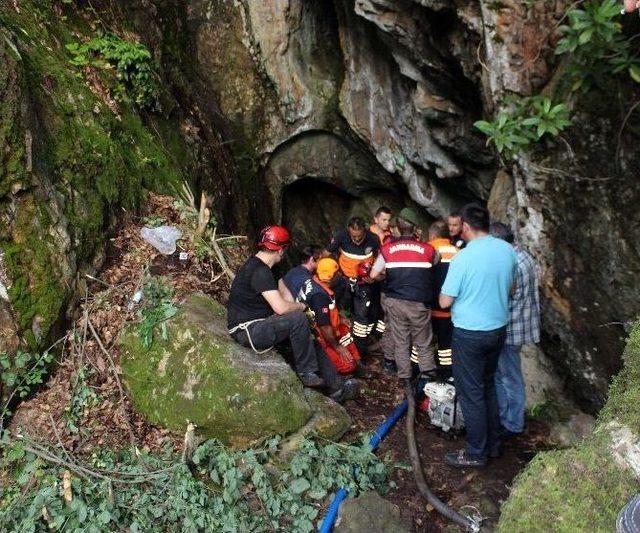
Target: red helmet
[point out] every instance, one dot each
(274, 238)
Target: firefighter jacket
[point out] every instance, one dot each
(446, 251)
(409, 266)
(384, 236)
(350, 254)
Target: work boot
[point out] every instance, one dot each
(390, 366)
(311, 380)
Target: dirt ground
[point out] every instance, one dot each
(111, 421)
(482, 489)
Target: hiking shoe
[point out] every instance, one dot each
(390, 366)
(351, 389)
(505, 434)
(460, 459)
(311, 380)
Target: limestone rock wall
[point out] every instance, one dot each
(343, 104)
(286, 108)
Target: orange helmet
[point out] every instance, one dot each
(274, 238)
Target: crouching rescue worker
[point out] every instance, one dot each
(259, 317)
(355, 248)
(334, 335)
(408, 265)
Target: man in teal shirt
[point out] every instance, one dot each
(477, 288)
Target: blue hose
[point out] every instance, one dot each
(379, 434)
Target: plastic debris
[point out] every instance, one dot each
(135, 300)
(162, 238)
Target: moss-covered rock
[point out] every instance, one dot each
(71, 159)
(200, 374)
(583, 488)
(330, 420)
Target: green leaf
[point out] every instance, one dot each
(299, 485)
(16, 452)
(484, 126)
(634, 72)
(585, 36)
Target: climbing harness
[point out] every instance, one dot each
(245, 327)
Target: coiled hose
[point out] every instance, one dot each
(466, 522)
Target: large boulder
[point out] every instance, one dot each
(371, 512)
(199, 374)
(583, 488)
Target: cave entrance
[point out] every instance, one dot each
(313, 209)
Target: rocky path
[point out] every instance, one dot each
(483, 489)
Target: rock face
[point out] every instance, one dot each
(285, 109)
(583, 488)
(342, 105)
(202, 376)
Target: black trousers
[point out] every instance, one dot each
(307, 357)
(363, 314)
(443, 332)
(474, 369)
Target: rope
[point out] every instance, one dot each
(245, 327)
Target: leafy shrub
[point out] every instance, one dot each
(529, 120)
(21, 373)
(230, 491)
(82, 398)
(598, 46)
(133, 64)
(155, 311)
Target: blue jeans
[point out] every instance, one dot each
(475, 359)
(510, 388)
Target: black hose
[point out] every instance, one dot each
(468, 523)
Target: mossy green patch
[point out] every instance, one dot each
(624, 394)
(90, 159)
(12, 161)
(200, 374)
(581, 488)
(36, 292)
(578, 489)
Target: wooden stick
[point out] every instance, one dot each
(220, 256)
(132, 436)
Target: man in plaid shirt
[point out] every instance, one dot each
(523, 328)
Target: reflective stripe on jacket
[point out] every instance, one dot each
(409, 265)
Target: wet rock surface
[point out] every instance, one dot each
(371, 512)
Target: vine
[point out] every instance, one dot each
(227, 491)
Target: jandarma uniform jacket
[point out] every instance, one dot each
(409, 265)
